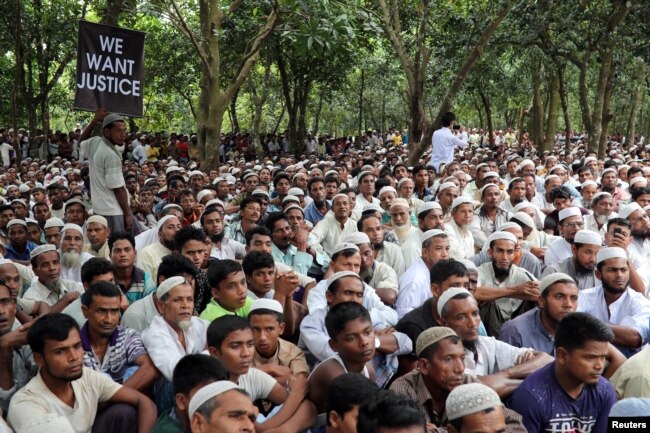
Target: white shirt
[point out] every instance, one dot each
(74, 274)
(461, 241)
(38, 292)
(412, 248)
(383, 277)
(516, 276)
(443, 143)
(230, 249)
(140, 314)
(632, 309)
(257, 383)
(557, 251)
(328, 233)
(414, 288)
(161, 341)
(492, 356)
(4, 152)
(392, 255)
(149, 258)
(140, 153)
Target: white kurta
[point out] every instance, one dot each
(414, 288)
(328, 233)
(557, 251)
(412, 248)
(516, 276)
(38, 292)
(392, 255)
(461, 241)
(149, 258)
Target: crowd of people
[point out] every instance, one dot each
(488, 287)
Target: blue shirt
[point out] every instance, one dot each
(546, 407)
(299, 261)
(527, 330)
(13, 255)
(312, 214)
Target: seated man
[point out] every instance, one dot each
(140, 314)
(48, 286)
(229, 291)
(582, 264)
(19, 247)
(345, 395)
(472, 406)
(273, 355)
(440, 369)
(504, 288)
(134, 282)
(175, 332)
(192, 373)
(353, 341)
(222, 406)
(93, 271)
(71, 255)
(109, 348)
(149, 257)
(627, 312)
(63, 386)
(570, 394)
(230, 340)
(97, 232)
(388, 412)
(485, 356)
(384, 252)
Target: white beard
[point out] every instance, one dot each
(71, 259)
(402, 232)
(184, 324)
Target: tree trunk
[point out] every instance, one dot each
(537, 118)
(488, 116)
(640, 74)
(520, 123)
(319, 108)
(360, 127)
(479, 112)
(607, 115)
(18, 77)
(604, 75)
(553, 108)
(564, 99)
(233, 112)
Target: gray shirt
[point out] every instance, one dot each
(528, 261)
(584, 280)
(527, 330)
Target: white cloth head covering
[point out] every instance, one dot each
(490, 174)
(499, 235)
(291, 198)
(446, 185)
(371, 207)
(357, 238)
(163, 220)
(208, 392)
(344, 246)
(387, 189)
(521, 206)
(610, 253)
(41, 249)
(98, 219)
(627, 210)
(588, 237)
(569, 212)
(638, 182)
(461, 200)
(266, 304)
(400, 202)
(588, 182)
(428, 206)
(203, 193)
(296, 191)
(14, 222)
(551, 279)
(338, 275)
(54, 222)
(524, 163)
(167, 285)
(470, 398)
(448, 294)
(70, 226)
(432, 233)
(340, 195)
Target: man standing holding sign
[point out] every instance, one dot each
(107, 187)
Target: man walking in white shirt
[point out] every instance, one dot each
(444, 141)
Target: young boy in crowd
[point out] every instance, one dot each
(273, 355)
(229, 291)
(345, 395)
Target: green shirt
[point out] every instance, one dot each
(214, 310)
(167, 424)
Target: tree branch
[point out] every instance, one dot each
(177, 18)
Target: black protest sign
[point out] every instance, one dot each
(110, 67)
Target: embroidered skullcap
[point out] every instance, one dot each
(208, 392)
(167, 285)
(461, 200)
(638, 180)
(553, 278)
(46, 248)
(163, 220)
(431, 336)
(447, 295)
(428, 206)
(338, 275)
(446, 185)
(54, 222)
(399, 202)
(266, 304)
(627, 210)
(470, 398)
(98, 219)
(344, 246)
(524, 218)
(387, 189)
(486, 186)
(15, 222)
(340, 195)
(70, 226)
(203, 193)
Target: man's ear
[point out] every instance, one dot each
(281, 327)
(38, 359)
(422, 365)
(198, 423)
(85, 311)
(599, 275)
(182, 402)
(333, 345)
(436, 290)
(574, 250)
(214, 352)
(489, 252)
(328, 296)
(334, 419)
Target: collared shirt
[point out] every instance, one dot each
(124, 348)
(632, 309)
(328, 233)
(23, 369)
(443, 143)
(411, 249)
(632, 379)
(161, 341)
(35, 401)
(230, 249)
(482, 226)
(640, 247)
(383, 277)
(234, 231)
(591, 224)
(313, 215)
(12, 254)
(414, 288)
(103, 252)
(287, 354)
(584, 280)
(38, 292)
(392, 255)
(516, 276)
(151, 256)
(491, 356)
(528, 262)
(214, 310)
(298, 260)
(557, 251)
(140, 314)
(461, 241)
(526, 330)
(141, 285)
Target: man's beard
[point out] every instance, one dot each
(470, 345)
(184, 324)
(581, 269)
(96, 247)
(639, 234)
(586, 204)
(53, 286)
(71, 259)
(69, 378)
(517, 200)
(402, 231)
(500, 274)
(378, 246)
(169, 244)
(613, 290)
(217, 237)
(601, 219)
(366, 274)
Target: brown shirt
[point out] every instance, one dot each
(412, 385)
(287, 355)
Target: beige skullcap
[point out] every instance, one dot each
(54, 222)
(70, 226)
(431, 336)
(73, 201)
(608, 170)
(610, 253)
(98, 219)
(400, 202)
(569, 212)
(470, 398)
(387, 189)
(403, 180)
(486, 186)
(46, 248)
(294, 206)
(524, 218)
(524, 163)
(470, 265)
(639, 179)
(627, 210)
(208, 392)
(589, 159)
(357, 238)
(260, 192)
(266, 304)
(340, 195)
(203, 193)
(344, 246)
(338, 275)
(167, 285)
(214, 202)
(446, 185)
(16, 222)
(290, 198)
(448, 294)
(461, 200)
(551, 279)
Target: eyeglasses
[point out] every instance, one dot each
(575, 225)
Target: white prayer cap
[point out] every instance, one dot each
(163, 220)
(432, 233)
(486, 186)
(338, 275)
(387, 189)
(428, 206)
(470, 398)
(293, 206)
(461, 200)
(524, 163)
(610, 253)
(431, 336)
(553, 278)
(638, 182)
(261, 192)
(589, 182)
(203, 193)
(521, 206)
(173, 163)
(490, 174)
(371, 207)
(266, 304)
(214, 202)
(54, 222)
(291, 198)
(364, 174)
(172, 206)
(195, 173)
(217, 180)
(357, 238)
(340, 195)
(446, 185)
(404, 180)
(19, 201)
(97, 219)
(249, 174)
(479, 166)
(470, 265)
(332, 173)
(31, 221)
(448, 294)
(399, 202)
(46, 248)
(344, 246)
(589, 159)
(524, 218)
(24, 188)
(569, 212)
(551, 176)
(167, 285)
(608, 170)
(171, 168)
(208, 392)
(588, 237)
(627, 210)
(15, 222)
(600, 194)
(508, 225)
(73, 201)
(498, 235)
(70, 226)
